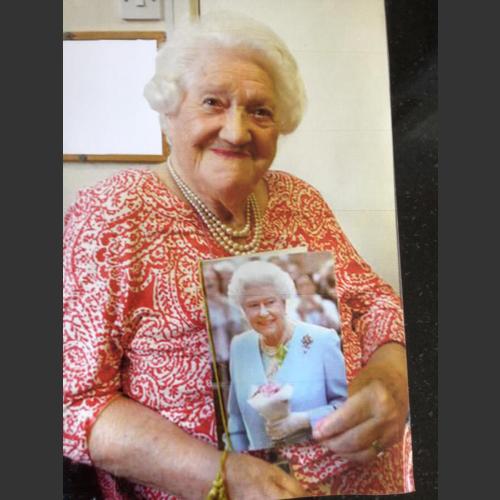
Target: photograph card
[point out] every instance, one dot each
(275, 332)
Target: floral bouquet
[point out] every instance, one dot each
(271, 401)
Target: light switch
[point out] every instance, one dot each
(141, 9)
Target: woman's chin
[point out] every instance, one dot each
(237, 174)
(267, 333)
(234, 186)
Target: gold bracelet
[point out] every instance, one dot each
(218, 489)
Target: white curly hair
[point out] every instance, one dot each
(177, 60)
(259, 273)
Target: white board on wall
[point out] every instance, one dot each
(105, 115)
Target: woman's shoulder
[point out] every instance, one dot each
(116, 195)
(243, 339)
(281, 182)
(288, 192)
(117, 186)
(316, 332)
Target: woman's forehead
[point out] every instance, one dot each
(257, 292)
(231, 72)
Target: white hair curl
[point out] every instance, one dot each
(177, 59)
(259, 273)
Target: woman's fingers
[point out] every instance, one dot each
(274, 424)
(274, 429)
(249, 478)
(356, 439)
(280, 486)
(275, 434)
(354, 411)
(291, 486)
(370, 415)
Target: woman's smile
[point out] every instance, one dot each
(266, 323)
(228, 153)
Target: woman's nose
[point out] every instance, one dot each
(235, 128)
(263, 310)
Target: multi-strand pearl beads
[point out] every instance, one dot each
(222, 233)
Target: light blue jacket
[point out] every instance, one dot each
(317, 374)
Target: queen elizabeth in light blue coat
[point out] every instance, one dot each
(277, 350)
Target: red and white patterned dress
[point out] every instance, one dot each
(134, 322)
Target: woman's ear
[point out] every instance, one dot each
(166, 127)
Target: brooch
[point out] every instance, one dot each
(306, 342)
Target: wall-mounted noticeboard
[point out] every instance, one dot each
(105, 115)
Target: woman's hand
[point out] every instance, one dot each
(374, 415)
(249, 478)
(293, 422)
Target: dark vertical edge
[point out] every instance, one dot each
(412, 45)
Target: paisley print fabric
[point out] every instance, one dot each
(134, 322)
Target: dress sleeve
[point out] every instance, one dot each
(334, 376)
(236, 426)
(369, 307)
(92, 351)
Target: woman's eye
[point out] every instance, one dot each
(263, 113)
(211, 101)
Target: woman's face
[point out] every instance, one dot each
(211, 283)
(305, 285)
(265, 311)
(224, 134)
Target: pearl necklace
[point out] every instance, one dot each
(222, 233)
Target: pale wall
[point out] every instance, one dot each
(344, 145)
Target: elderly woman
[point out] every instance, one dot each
(138, 398)
(279, 351)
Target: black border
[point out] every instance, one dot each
(31, 250)
(412, 39)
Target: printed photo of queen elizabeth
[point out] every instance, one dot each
(286, 368)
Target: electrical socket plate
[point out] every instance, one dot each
(141, 9)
